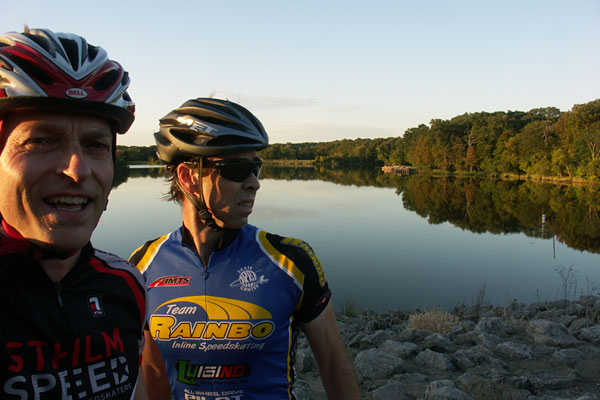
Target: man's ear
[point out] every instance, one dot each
(188, 178)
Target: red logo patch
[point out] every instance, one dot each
(171, 281)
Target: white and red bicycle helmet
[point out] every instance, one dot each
(40, 68)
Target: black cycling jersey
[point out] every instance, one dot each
(79, 338)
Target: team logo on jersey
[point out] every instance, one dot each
(218, 318)
(173, 280)
(95, 304)
(248, 280)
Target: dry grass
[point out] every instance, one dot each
(434, 321)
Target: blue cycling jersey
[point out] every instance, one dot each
(229, 331)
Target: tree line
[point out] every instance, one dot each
(539, 142)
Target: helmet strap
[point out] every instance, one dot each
(200, 204)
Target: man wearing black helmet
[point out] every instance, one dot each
(71, 315)
(226, 298)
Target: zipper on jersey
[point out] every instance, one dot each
(58, 294)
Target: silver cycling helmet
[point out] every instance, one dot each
(43, 69)
(207, 127)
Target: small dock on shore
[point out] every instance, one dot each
(398, 169)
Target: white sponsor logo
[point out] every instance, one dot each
(248, 279)
(195, 125)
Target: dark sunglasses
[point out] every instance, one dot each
(235, 169)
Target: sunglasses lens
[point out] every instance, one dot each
(239, 170)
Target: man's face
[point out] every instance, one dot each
(230, 202)
(56, 173)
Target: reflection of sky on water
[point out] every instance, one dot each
(374, 252)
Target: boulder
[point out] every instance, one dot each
(376, 364)
(434, 360)
(550, 333)
(515, 351)
(591, 335)
(399, 349)
(491, 325)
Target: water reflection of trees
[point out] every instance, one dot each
(536, 209)
(123, 173)
(569, 213)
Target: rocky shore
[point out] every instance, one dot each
(539, 351)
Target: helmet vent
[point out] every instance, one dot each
(222, 108)
(249, 115)
(92, 52)
(106, 80)
(5, 65)
(40, 40)
(190, 136)
(37, 73)
(72, 52)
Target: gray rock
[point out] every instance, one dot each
(463, 360)
(413, 335)
(445, 390)
(488, 340)
(475, 356)
(356, 340)
(303, 390)
(517, 310)
(376, 364)
(434, 360)
(439, 342)
(491, 325)
(399, 349)
(392, 390)
(578, 324)
(543, 359)
(305, 361)
(377, 338)
(568, 357)
(552, 383)
(591, 335)
(515, 351)
(467, 381)
(550, 333)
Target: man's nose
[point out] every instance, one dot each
(74, 164)
(252, 182)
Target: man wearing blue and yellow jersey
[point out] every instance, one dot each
(226, 298)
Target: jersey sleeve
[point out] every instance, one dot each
(315, 289)
(143, 255)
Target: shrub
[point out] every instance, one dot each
(433, 321)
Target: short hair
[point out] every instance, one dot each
(175, 192)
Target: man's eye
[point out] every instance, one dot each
(37, 142)
(98, 146)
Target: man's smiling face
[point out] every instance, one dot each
(56, 174)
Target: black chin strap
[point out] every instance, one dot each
(200, 204)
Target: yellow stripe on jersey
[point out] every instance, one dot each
(283, 262)
(290, 362)
(151, 251)
(221, 308)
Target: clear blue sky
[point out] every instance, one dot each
(326, 70)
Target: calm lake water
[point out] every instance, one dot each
(390, 242)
